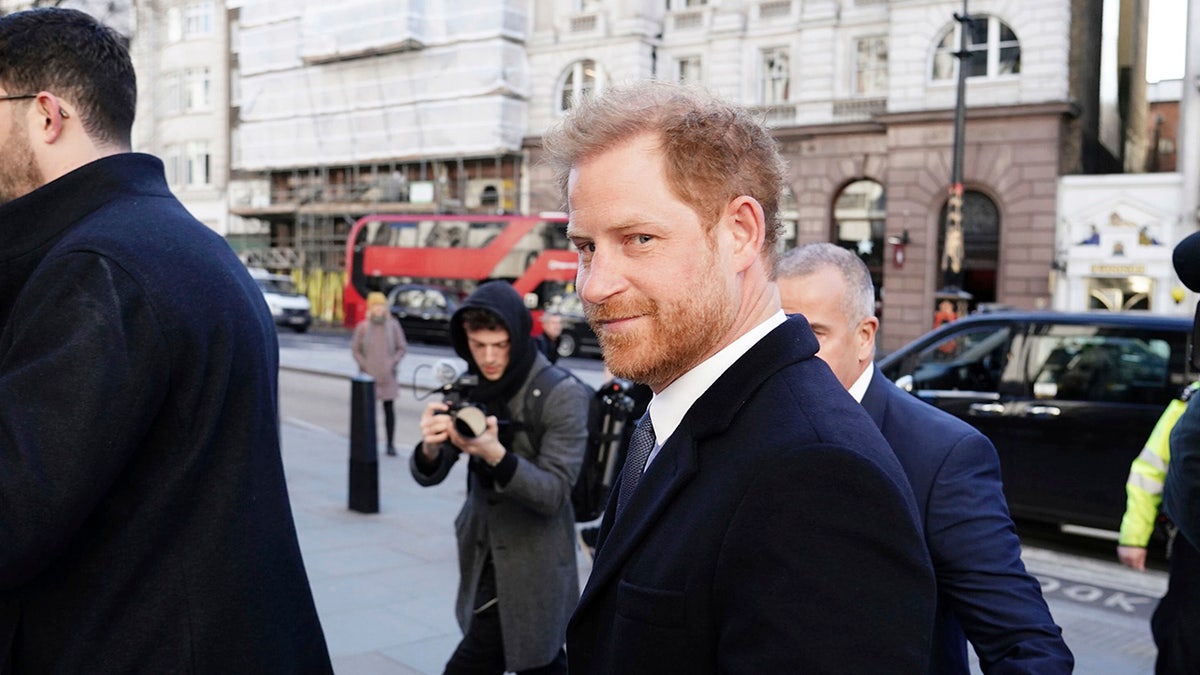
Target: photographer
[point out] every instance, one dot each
(516, 532)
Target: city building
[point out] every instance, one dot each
(300, 117)
(180, 50)
(862, 96)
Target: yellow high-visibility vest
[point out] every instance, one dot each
(1143, 490)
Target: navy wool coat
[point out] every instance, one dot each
(774, 533)
(144, 520)
(984, 592)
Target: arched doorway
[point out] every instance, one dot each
(859, 224)
(981, 244)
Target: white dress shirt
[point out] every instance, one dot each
(668, 407)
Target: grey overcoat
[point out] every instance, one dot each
(529, 525)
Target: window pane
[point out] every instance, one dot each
(971, 360)
(870, 75)
(1010, 61)
(977, 31)
(976, 63)
(775, 76)
(566, 96)
(689, 70)
(1106, 368)
(943, 58)
(943, 66)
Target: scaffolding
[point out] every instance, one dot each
(370, 106)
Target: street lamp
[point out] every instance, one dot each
(954, 250)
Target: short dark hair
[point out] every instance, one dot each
(478, 318)
(72, 55)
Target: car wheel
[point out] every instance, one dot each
(567, 344)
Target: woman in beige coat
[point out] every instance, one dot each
(378, 346)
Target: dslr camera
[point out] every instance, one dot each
(470, 418)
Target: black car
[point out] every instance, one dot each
(424, 311)
(577, 336)
(1068, 399)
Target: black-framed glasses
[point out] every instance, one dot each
(16, 97)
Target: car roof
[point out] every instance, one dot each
(1142, 320)
(1098, 317)
(260, 273)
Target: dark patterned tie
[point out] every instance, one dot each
(640, 446)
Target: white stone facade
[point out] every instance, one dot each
(180, 53)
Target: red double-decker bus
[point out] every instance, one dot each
(460, 251)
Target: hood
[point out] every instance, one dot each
(500, 298)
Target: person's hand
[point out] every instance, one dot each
(436, 426)
(485, 446)
(1132, 556)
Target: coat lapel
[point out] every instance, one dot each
(676, 462)
(876, 398)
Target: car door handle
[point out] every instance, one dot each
(987, 409)
(1043, 411)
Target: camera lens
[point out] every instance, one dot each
(470, 422)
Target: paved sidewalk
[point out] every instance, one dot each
(385, 583)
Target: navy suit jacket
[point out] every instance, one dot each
(1181, 492)
(775, 532)
(983, 588)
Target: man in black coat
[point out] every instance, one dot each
(144, 520)
(1178, 613)
(761, 523)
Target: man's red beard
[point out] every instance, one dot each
(672, 338)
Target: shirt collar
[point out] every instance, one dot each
(859, 388)
(670, 405)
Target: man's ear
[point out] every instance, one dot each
(747, 226)
(53, 113)
(865, 334)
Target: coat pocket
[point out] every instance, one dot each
(651, 606)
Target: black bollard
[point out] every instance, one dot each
(364, 456)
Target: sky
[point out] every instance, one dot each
(1166, 39)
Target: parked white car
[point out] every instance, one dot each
(288, 307)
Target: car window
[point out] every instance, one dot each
(1079, 363)
(410, 298)
(570, 304)
(968, 360)
(283, 286)
(433, 299)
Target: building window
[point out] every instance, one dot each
(197, 20)
(580, 79)
(1120, 294)
(775, 76)
(190, 168)
(688, 70)
(196, 89)
(685, 4)
(860, 223)
(992, 47)
(870, 66)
